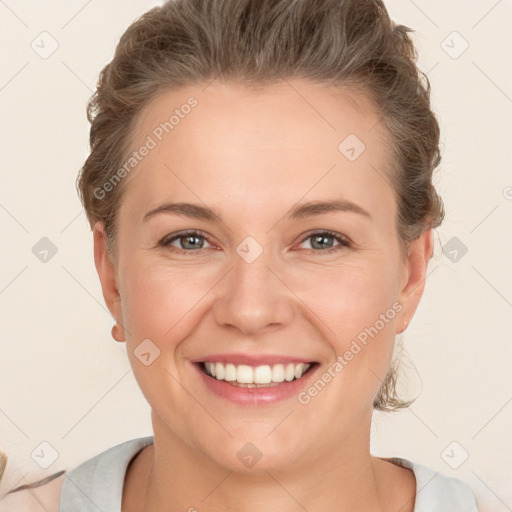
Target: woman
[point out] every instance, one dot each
(260, 193)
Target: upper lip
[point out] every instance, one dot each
(252, 359)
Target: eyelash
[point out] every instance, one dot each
(343, 241)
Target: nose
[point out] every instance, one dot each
(253, 298)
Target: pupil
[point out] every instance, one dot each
(322, 239)
(193, 238)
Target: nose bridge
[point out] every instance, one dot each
(253, 297)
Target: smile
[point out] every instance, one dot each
(255, 376)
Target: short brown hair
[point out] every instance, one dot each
(350, 43)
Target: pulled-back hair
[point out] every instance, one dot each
(353, 44)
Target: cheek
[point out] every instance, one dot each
(349, 298)
(163, 304)
(160, 300)
(356, 309)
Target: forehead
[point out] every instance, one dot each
(227, 141)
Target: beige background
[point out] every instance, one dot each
(64, 381)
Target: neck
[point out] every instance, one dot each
(177, 477)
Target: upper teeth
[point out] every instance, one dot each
(265, 374)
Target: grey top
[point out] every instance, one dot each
(96, 485)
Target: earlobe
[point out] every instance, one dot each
(415, 271)
(118, 336)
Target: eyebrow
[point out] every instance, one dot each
(309, 209)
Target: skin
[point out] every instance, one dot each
(252, 156)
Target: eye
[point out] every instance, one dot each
(191, 241)
(322, 241)
(188, 241)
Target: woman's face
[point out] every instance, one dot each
(260, 286)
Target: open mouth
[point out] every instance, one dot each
(256, 376)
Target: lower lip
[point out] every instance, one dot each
(255, 396)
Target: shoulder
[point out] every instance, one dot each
(100, 476)
(436, 492)
(100, 479)
(114, 458)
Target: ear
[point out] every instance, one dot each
(414, 276)
(106, 273)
